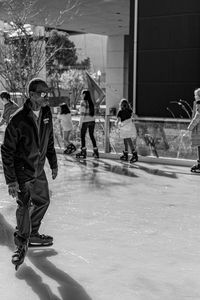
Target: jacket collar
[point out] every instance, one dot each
(28, 109)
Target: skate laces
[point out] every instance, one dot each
(18, 252)
(41, 236)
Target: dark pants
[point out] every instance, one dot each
(33, 201)
(129, 142)
(90, 126)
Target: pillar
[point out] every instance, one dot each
(114, 72)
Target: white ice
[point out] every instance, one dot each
(120, 233)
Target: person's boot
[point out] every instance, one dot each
(70, 149)
(40, 240)
(124, 156)
(96, 153)
(82, 154)
(196, 168)
(134, 157)
(19, 255)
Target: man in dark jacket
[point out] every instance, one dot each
(28, 141)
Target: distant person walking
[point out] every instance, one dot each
(194, 128)
(87, 122)
(127, 130)
(66, 127)
(9, 107)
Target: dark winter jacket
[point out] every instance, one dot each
(25, 148)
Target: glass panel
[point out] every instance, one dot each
(154, 137)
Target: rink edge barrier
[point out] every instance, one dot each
(146, 159)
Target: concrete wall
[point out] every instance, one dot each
(114, 71)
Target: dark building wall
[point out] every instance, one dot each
(168, 55)
(126, 68)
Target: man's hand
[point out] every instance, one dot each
(54, 173)
(13, 189)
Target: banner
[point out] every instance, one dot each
(97, 94)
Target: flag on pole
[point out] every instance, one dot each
(97, 94)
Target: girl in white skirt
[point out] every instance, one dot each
(66, 127)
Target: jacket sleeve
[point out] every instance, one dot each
(8, 149)
(51, 152)
(194, 121)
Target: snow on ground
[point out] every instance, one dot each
(120, 233)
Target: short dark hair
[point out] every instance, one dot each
(5, 95)
(64, 109)
(32, 86)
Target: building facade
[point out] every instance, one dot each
(168, 55)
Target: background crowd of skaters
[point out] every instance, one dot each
(29, 141)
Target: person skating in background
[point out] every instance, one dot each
(28, 141)
(194, 128)
(87, 122)
(66, 127)
(124, 121)
(9, 107)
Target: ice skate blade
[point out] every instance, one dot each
(17, 264)
(81, 158)
(195, 172)
(69, 153)
(17, 267)
(31, 245)
(133, 162)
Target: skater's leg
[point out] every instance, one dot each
(96, 152)
(124, 156)
(69, 146)
(41, 200)
(196, 167)
(126, 145)
(19, 255)
(91, 127)
(130, 143)
(22, 233)
(134, 157)
(83, 153)
(23, 212)
(83, 134)
(67, 138)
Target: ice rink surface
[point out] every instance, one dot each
(120, 233)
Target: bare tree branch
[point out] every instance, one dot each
(23, 53)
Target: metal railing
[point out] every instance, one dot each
(155, 136)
